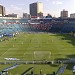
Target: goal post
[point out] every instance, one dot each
(37, 55)
(41, 55)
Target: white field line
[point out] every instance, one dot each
(5, 52)
(23, 55)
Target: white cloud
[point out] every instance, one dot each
(53, 13)
(57, 2)
(74, 5)
(47, 0)
(15, 9)
(20, 4)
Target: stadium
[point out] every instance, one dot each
(27, 51)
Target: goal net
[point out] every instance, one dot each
(37, 55)
(42, 55)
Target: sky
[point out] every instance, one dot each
(52, 7)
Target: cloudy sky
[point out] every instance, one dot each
(50, 6)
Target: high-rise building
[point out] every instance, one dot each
(26, 16)
(12, 15)
(72, 15)
(36, 9)
(64, 14)
(2, 10)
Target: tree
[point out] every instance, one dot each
(48, 16)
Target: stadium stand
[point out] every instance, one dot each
(61, 69)
(11, 67)
(13, 25)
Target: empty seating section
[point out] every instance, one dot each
(63, 25)
(67, 28)
(53, 25)
(12, 25)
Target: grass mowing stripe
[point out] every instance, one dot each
(60, 46)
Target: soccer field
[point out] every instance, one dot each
(37, 46)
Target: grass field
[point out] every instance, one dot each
(38, 46)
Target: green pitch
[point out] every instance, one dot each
(37, 46)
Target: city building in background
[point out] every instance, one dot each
(11, 15)
(26, 16)
(72, 15)
(29, 16)
(64, 14)
(36, 10)
(2, 10)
